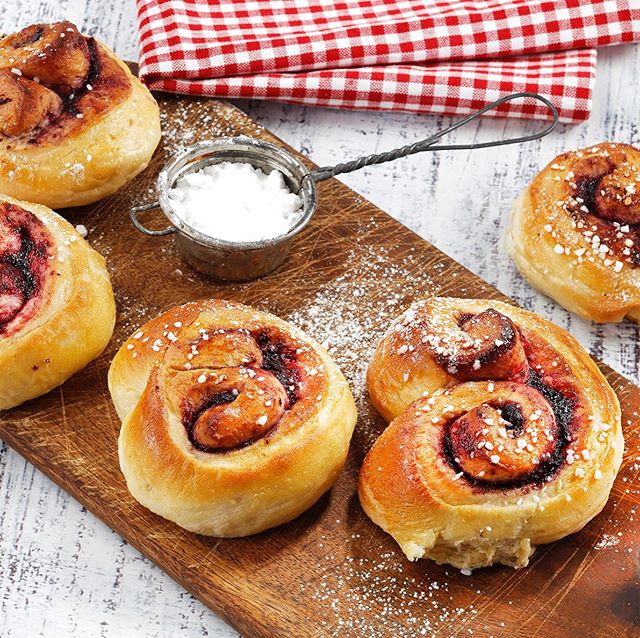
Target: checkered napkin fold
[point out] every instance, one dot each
(429, 56)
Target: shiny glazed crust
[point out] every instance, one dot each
(447, 479)
(256, 479)
(575, 232)
(68, 322)
(104, 136)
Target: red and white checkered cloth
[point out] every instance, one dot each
(438, 56)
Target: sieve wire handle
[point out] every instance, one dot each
(133, 214)
(428, 144)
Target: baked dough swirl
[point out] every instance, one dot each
(57, 310)
(575, 232)
(75, 124)
(504, 434)
(233, 421)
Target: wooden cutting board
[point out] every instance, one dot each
(331, 572)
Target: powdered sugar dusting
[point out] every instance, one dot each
(400, 601)
(607, 540)
(335, 316)
(187, 122)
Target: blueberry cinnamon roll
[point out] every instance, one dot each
(75, 124)
(575, 232)
(233, 421)
(504, 434)
(57, 310)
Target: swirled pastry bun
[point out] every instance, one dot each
(233, 421)
(75, 124)
(575, 232)
(57, 310)
(505, 434)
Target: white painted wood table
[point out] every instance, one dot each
(64, 573)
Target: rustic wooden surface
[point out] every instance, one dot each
(63, 572)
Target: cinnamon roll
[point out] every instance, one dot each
(57, 310)
(233, 421)
(575, 232)
(504, 436)
(75, 124)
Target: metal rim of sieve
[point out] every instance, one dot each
(258, 153)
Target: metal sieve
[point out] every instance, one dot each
(242, 261)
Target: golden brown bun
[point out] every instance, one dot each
(233, 421)
(56, 54)
(515, 443)
(25, 104)
(575, 232)
(76, 124)
(57, 310)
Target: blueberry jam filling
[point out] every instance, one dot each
(282, 362)
(586, 188)
(92, 77)
(29, 38)
(191, 414)
(512, 414)
(585, 193)
(105, 85)
(563, 409)
(21, 262)
(21, 270)
(278, 358)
